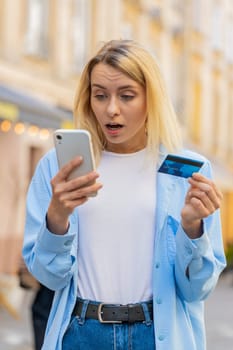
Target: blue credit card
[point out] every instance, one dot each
(180, 166)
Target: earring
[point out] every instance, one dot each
(104, 144)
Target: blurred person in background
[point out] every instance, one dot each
(132, 266)
(41, 304)
(40, 310)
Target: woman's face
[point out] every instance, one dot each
(119, 104)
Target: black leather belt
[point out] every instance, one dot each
(114, 313)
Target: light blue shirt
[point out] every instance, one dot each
(178, 297)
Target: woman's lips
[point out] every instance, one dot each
(113, 129)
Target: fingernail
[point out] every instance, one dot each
(206, 187)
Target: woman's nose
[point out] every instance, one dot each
(113, 107)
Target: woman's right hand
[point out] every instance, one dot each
(69, 194)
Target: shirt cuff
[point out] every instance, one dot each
(56, 243)
(194, 248)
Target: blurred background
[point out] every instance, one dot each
(44, 45)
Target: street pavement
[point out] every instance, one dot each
(219, 315)
(17, 334)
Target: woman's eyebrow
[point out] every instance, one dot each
(98, 86)
(124, 87)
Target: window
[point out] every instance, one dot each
(217, 27)
(197, 11)
(178, 5)
(126, 31)
(35, 153)
(197, 104)
(80, 33)
(228, 42)
(36, 41)
(216, 113)
(230, 124)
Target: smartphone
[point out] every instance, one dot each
(72, 143)
(180, 166)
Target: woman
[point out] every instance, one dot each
(131, 267)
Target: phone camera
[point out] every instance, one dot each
(59, 137)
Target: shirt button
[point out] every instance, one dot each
(67, 243)
(161, 337)
(157, 265)
(158, 300)
(189, 251)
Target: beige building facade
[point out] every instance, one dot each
(44, 46)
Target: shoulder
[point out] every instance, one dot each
(48, 163)
(183, 152)
(50, 156)
(192, 155)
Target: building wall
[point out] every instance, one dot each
(44, 55)
(19, 154)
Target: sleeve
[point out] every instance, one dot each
(47, 255)
(199, 262)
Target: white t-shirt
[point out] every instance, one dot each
(116, 231)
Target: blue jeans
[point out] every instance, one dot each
(90, 334)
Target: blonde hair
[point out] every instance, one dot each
(137, 63)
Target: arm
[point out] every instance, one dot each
(200, 256)
(49, 248)
(200, 261)
(43, 251)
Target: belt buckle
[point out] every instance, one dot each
(99, 314)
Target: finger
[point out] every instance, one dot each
(198, 177)
(82, 192)
(75, 183)
(67, 169)
(204, 198)
(207, 193)
(204, 186)
(209, 188)
(81, 181)
(70, 205)
(200, 209)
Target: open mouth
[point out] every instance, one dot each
(114, 126)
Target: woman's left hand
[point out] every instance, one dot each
(202, 199)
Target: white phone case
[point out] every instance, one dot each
(72, 143)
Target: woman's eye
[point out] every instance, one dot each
(127, 97)
(100, 97)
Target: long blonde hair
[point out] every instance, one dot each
(137, 63)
